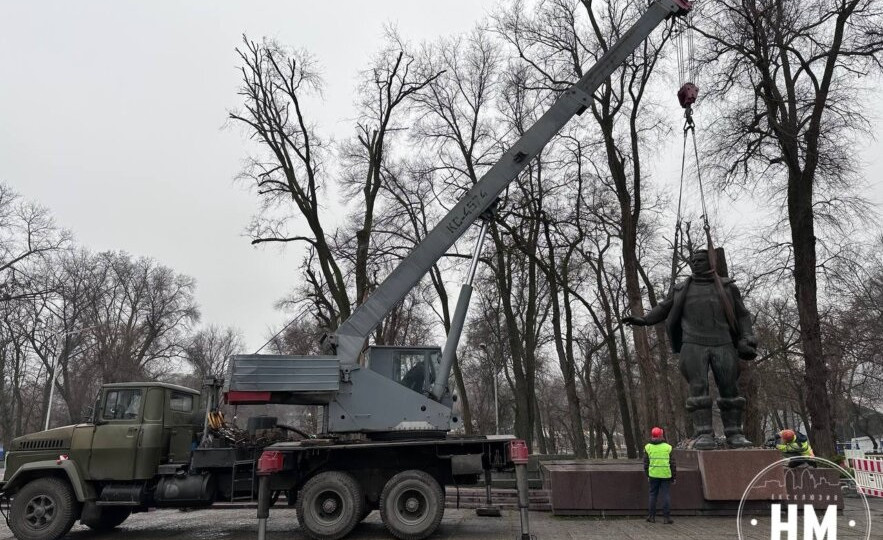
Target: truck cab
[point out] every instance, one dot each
(138, 426)
(101, 470)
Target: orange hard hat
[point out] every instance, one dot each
(656, 433)
(787, 435)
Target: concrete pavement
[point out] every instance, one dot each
(240, 524)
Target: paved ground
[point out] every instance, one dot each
(459, 524)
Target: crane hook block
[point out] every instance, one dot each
(687, 94)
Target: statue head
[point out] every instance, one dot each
(699, 264)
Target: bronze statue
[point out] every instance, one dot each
(706, 335)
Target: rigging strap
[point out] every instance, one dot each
(729, 311)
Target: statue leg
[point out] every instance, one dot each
(694, 368)
(725, 366)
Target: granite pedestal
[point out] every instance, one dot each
(708, 483)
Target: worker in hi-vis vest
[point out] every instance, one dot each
(661, 472)
(794, 445)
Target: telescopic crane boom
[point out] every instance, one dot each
(371, 400)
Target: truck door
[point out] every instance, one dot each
(115, 442)
(179, 423)
(151, 441)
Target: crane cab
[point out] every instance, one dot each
(412, 367)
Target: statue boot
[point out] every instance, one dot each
(700, 413)
(731, 417)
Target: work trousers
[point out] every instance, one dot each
(724, 364)
(659, 488)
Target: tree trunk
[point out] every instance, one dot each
(669, 399)
(610, 316)
(818, 402)
(564, 350)
(538, 422)
(650, 402)
(752, 418)
(633, 402)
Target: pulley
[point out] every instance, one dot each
(688, 94)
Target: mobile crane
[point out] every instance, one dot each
(385, 443)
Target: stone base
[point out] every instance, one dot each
(818, 487)
(614, 488)
(708, 483)
(726, 474)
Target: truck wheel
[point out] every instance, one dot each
(108, 517)
(329, 505)
(44, 509)
(412, 505)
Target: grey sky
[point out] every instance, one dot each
(112, 115)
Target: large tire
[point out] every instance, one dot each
(44, 509)
(108, 518)
(330, 505)
(412, 505)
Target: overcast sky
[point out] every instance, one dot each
(112, 115)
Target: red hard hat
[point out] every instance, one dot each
(787, 435)
(656, 433)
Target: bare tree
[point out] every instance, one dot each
(28, 235)
(790, 70)
(292, 173)
(291, 170)
(141, 314)
(210, 348)
(557, 42)
(394, 78)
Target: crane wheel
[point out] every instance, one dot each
(412, 505)
(330, 505)
(44, 509)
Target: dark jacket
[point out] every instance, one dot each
(671, 460)
(671, 308)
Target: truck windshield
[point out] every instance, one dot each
(122, 404)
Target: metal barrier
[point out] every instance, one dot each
(868, 472)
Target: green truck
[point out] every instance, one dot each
(148, 446)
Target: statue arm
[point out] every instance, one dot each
(660, 312)
(655, 315)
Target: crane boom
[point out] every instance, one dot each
(380, 398)
(350, 338)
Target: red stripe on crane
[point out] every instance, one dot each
(243, 397)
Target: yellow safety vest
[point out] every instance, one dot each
(658, 455)
(795, 448)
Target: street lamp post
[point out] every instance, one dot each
(496, 405)
(55, 373)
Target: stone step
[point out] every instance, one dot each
(509, 483)
(507, 499)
